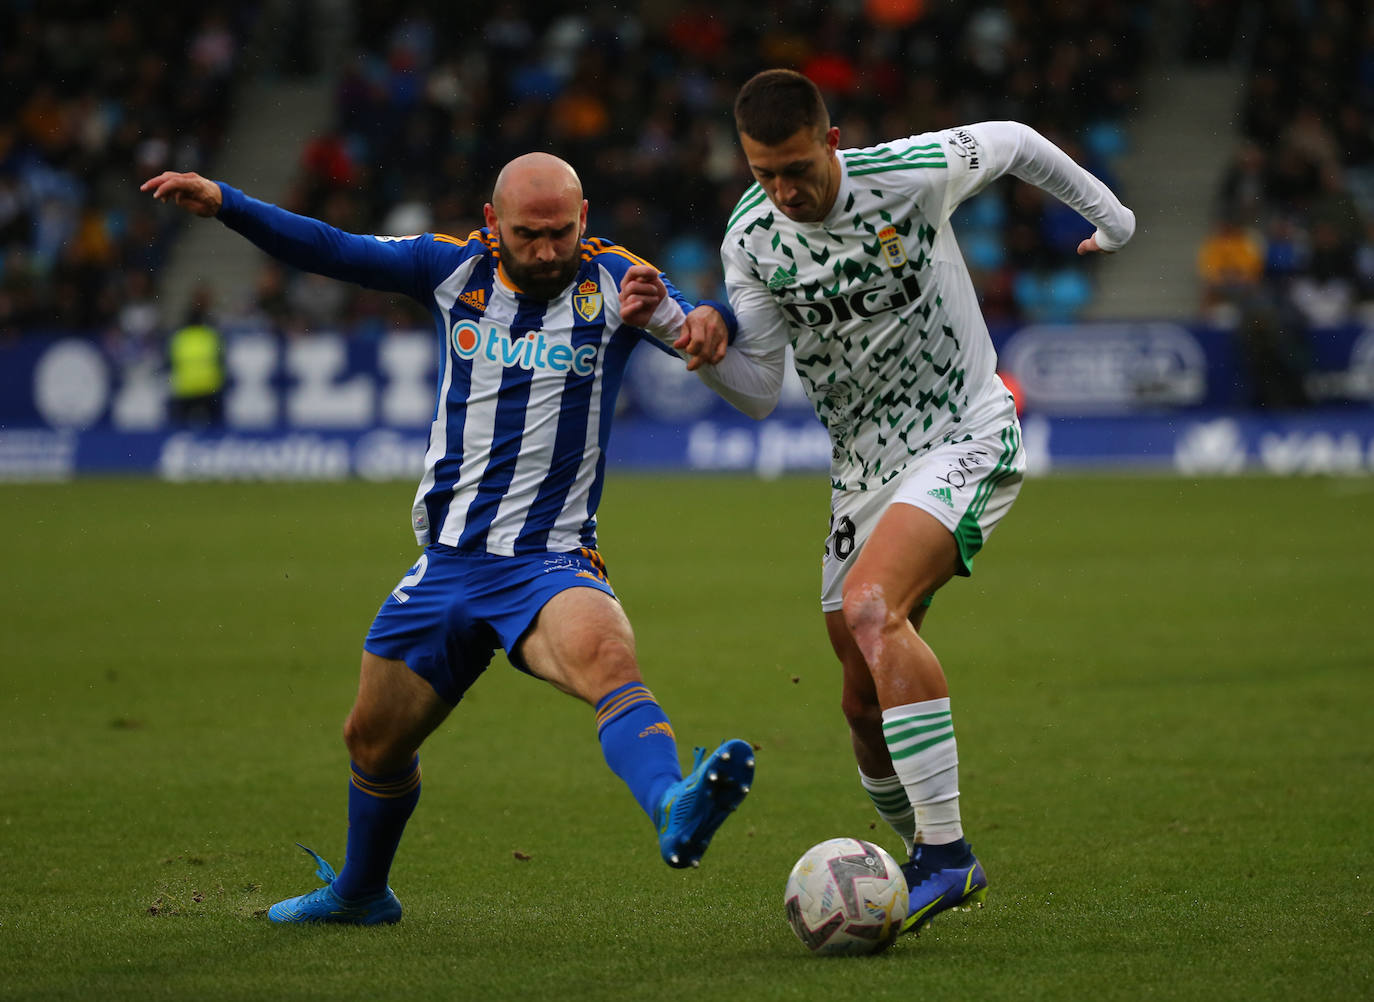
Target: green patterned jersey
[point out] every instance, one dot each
(876, 300)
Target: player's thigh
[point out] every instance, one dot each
(395, 710)
(866, 547)
(933, 520)
(582, 642)
(432, 621)
(907, 557)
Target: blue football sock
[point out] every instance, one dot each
(638, 743)
(378, 809)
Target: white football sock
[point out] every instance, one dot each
(893, 805)
(920, 738)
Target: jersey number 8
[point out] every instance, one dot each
(841, 541)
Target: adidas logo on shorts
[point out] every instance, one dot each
(943, 494)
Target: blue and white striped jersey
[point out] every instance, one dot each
(527, 388)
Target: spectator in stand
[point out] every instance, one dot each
(1245, 187)
(1325, 290)
(1230, 265)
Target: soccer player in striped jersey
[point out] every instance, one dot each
(848, 256)
(534, 338)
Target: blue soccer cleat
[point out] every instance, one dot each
(933, 890)
(696, 805)
(323, 905)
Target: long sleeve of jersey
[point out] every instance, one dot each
(750, 376)
(388, 264)
(1016, 149)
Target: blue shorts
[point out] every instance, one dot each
(453, 609)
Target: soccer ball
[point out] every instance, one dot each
(846, 895)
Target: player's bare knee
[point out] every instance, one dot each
(615, 666)
(594, 668)
(867, 612)
(373, 747)
(610, 655)
(357, 740)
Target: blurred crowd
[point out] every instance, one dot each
(430, 100)
(92, 101)
(639, 99)
(1292, 247)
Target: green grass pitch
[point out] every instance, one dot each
(1162, 692)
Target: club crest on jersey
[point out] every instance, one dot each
(892, 247)
(587, 300)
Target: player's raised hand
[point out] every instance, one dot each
(1089, 246)
(641, 290)
(704, 337)
(197, 195)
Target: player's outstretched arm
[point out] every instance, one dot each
(197, 195)
(389, 264)
(1017, 149)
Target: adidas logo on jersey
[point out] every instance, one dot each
(942, 493)
(780, 278)
(477, 299)
(533, 351)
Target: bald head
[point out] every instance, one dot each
(536, 178)
(538, 214)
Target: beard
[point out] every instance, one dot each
(543, 281)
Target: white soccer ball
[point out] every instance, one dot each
(846, 895)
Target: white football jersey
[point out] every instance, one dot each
(876, 301)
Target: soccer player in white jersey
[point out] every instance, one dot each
(848, 256)
(531, 354)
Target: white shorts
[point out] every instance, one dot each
(968, 487)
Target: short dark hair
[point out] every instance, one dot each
(773, 105)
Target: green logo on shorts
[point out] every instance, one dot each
(943, 494)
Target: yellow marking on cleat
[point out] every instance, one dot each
(915, 920)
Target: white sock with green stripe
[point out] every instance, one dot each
(920, 738)
(894, 806)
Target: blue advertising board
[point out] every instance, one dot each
(1142, 395)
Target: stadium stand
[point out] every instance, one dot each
(1301, 182)
(91, 100)
(421, 105)
(429, 106)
